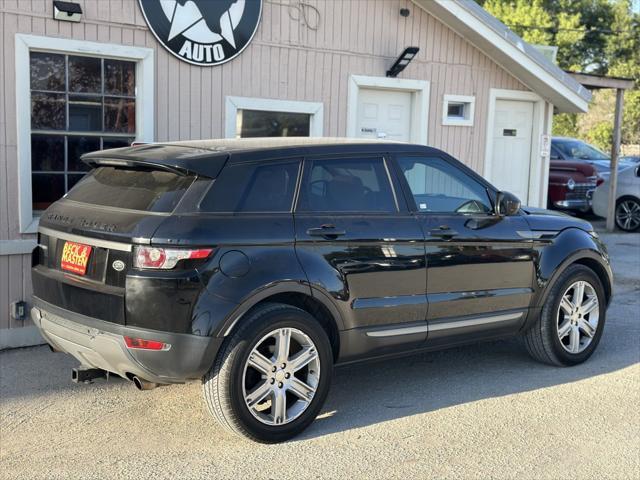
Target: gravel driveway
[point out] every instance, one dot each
(484, 411)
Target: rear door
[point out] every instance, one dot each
(479, 266)
(358, 243)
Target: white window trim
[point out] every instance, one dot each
(467, 121)
(419, 102)
(145, 101)
(233, 104)
(538, 164)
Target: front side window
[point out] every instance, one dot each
(347, 185)
(260, 123)
(78, 104)
(253, 187)
(438, 186)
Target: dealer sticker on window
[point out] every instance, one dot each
(75, 257)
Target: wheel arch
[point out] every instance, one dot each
(588, 258)
(298, 295)
(571, 246)
(627, 197)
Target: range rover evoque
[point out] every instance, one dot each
(256, 265)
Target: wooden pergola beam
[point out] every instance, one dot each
(596, 82)
(615, 153)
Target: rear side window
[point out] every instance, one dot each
(347, 185)
(134, 189)
(255, 187)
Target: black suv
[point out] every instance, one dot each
(256, 265)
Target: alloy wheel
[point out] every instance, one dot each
(281, 376)
(578, 315)
(628, 215)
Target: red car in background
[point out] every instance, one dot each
(571, 185)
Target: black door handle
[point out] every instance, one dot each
(326, 231)
(443, 232)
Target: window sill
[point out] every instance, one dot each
(462, 122)
(33, 226)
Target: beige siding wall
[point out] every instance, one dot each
(286, 60)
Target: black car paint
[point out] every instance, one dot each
(491, 264)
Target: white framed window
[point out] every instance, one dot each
(264, 117)
(73, 97)
(458, 110)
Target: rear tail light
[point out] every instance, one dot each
(142, 344)
(166, 258)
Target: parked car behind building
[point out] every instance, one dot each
(627, 210)
(571, 185)
(574, 150)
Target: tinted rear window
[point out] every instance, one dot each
(256, 187)
(134, 189)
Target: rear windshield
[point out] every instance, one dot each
(134, 189)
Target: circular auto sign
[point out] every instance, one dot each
(203, 32)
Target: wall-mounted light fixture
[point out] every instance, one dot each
(67, 11)
(402, 61)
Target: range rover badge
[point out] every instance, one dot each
(118, 265)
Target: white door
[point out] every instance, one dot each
(512, 132)
(384, 114)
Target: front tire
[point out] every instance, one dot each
(571, 322)
(271, 377)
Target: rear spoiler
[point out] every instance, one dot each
(114, 161)
(181, 160)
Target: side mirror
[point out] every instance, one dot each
(637, 171)
(507, 204)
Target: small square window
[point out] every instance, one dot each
(458, 110)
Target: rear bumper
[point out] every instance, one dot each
(99, 344)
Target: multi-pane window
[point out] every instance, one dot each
(78, 104)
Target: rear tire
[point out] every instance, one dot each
(272, 375)
(569, 328)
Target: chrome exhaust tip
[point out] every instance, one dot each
(142, 384)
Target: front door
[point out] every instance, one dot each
(512, 134)
(364, 250)
(384, 114)
(479, 266)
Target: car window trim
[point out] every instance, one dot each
(306, 171)
(411, 201)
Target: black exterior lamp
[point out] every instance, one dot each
(67, 11)
(403, 60)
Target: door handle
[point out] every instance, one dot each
(443, 231)
(326, 231)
